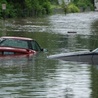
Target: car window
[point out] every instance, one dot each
(14, 43)
(35, 46)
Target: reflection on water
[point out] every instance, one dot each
(40, 77)
(56, 79)
(94, 83)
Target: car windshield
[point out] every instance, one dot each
(35, 46)
(14, 43)
(96, 50)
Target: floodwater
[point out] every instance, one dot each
(41, 77)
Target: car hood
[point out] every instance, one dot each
(70, 54)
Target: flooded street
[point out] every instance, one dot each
(41, 77)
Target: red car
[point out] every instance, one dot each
(18, 45)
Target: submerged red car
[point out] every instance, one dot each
(18, 45)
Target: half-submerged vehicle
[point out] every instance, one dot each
(80, 56)
(18, 45)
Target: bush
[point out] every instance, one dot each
(47, 7)
(10, 11)
(85, 4)
(71, 8)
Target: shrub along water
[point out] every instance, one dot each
(77, 5)
(84, 4)
(72, 8)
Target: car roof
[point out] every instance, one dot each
(12, 37)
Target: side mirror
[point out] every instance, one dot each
(44, 50)
(90, 50)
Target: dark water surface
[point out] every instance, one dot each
(40, 77)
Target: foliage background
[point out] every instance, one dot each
(24, 8)
(27, 8)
